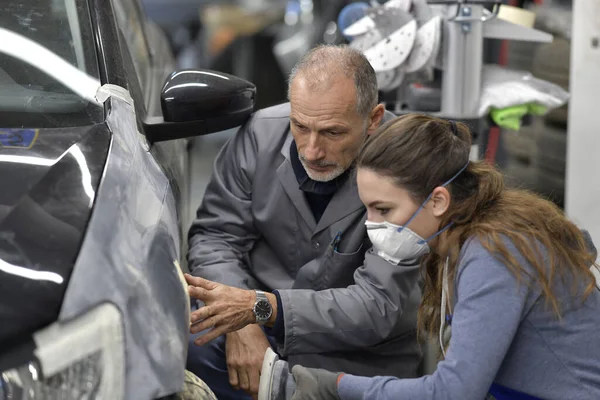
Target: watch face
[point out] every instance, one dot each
(262, 309)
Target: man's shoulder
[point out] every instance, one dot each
(278, 112)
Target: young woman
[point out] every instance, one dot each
(503, 268)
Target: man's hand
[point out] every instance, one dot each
(245, 351)
(226, 309)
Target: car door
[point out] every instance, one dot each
(147, 63)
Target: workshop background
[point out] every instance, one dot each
(261, 40)
(107, 144)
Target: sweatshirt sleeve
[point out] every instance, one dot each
(223, 232)
(489, 307)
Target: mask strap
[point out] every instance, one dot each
(429, 197)
(443, 308)
(437, 233)
(456, 174)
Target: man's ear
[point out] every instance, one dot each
(441, 201)
(375, 118)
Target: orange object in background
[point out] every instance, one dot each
(220, 39)
(225, 22)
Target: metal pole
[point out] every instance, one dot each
(582, 187)
(463, 52)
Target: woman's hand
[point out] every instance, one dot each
(226, 308)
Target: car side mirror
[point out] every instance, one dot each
(199, 102)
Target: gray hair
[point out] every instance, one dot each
(323, 62)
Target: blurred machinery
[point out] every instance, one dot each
(267, 55)
(433, 56)
(429, 57)
(537, 152)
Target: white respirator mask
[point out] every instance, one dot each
(396, 243)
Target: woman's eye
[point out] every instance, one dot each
(383, 211)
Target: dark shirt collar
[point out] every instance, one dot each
(308, 185)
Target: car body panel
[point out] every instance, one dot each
(130, 257)
(171, 155)
(49, 177)
(117, 236)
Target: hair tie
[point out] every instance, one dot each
(453, 128)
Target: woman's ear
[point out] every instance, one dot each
(440, 199)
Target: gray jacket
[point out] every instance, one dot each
(347, 310)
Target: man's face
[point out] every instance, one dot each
(326, 127)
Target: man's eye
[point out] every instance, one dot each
(300, 127)
(383, 211)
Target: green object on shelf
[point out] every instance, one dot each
(511, 117)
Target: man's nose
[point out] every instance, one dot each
(314, 149)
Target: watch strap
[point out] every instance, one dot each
(261, 297)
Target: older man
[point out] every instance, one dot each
(282, 214)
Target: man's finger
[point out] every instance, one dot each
(200, 282)
(254, 376)
(209, 336)
(208, 323)
(233, 378)
(199, 293)
(244, 379)
(200, 314)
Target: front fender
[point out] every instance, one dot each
(130, 257)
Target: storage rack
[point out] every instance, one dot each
(466, 23)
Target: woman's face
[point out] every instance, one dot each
(385, 201)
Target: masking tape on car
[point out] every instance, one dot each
(107, 90)
(185, 287)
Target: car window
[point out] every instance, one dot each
(32, 92)
(130, 22)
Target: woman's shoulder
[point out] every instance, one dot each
(484, 247)
(518, 260)
(484, 277)
(499, 247)
(491, 257)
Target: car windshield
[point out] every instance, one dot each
(32, 92)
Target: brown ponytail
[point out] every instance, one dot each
(422, 152)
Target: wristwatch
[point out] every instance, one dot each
(262, 308)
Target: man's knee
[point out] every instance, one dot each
(195, 388)
(209, 363)
(206, 360)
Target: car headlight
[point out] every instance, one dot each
(80, 359)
